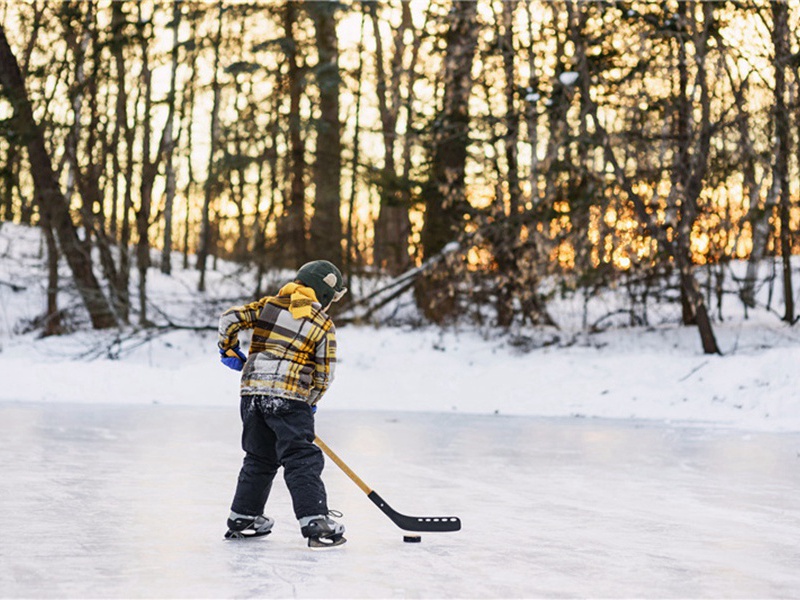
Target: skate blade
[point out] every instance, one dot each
(317, 543)
(243, 535)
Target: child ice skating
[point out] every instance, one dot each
(288, 369)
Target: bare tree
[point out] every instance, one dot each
(393, 226)
(690, 163)
(50, 198)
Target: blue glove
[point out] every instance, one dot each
(313, 409)
(232, 358)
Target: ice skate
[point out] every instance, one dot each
(322, 531)
(246, 526)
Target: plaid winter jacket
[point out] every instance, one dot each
(293, 349)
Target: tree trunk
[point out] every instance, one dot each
(506, 248)
(52, 317)
(149, 172)
(118, 24)
(326, 225)
(187, 112)
(757, 215)
(89, 175)
(78, 49)
(445, 193)
(692, 166)
(9, 168)
(401, 223)
(9, 176)
(292, 233)
(211, 176)
(780, 35)
(532, 96)
(51, 200)
(169, 145)
(348, 238)
(392, 227)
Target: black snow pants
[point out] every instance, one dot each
(279, 433)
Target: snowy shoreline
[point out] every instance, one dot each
(390, 369)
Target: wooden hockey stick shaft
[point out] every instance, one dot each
(348, 471)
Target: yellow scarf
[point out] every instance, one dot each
(301, 299)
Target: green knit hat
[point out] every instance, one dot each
(325, 279)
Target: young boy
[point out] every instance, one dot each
(289, 368)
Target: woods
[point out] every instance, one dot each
(567, 147)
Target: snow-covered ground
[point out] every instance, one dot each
(639, 374)
(621, 464)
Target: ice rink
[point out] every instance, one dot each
(103, 501)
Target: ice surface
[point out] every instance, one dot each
(130, 501)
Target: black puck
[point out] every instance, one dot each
(412, 539)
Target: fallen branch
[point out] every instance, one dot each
(395, 288)
(14, 287)
(693, 371)
(377, 306)
(170, 324)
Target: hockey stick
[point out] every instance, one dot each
(402, 521)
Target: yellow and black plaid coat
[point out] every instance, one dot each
(290, 357)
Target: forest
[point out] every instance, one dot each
(485, 156)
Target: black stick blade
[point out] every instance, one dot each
(415, 523)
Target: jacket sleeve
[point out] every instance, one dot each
(325, 364)
(237, 318)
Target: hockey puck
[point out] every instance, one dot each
(412, 539)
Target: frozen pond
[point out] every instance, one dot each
(131, 501)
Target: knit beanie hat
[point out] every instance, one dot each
(325, 279)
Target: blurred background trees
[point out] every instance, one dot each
(565, 146)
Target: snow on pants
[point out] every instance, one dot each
(279, 433)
